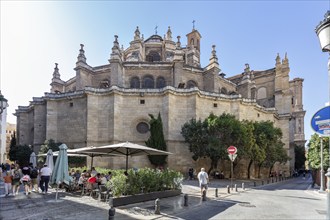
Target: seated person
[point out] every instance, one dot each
(90, 181)
(103, 180)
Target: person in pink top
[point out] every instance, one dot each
(26, 180)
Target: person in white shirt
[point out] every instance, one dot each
(45, 174)
(203, 179)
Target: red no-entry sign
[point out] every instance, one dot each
(231, 150)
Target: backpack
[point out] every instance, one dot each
(16, 175)
(26, 178)
(34, 173)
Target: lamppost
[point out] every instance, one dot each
(3, 103)
(323, 33)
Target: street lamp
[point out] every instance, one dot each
(3, 103)
(323, 32)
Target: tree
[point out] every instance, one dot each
(156, 140)
(224, 131)
(13, 148)
(270, 138)
(20, 154)
(253, 150)
(314, 152)
(195, 133)
(300, 157)
(23, 155)
(51, 144)
(211, 137)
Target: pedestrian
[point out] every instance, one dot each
(26, 180)
(34, 179)
(17, 174)
(8, 180)
(45, 174)
(191, 173)
(203, 179)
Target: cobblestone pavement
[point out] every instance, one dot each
(72, 206)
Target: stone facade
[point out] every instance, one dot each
(10, 130)
(110, 103)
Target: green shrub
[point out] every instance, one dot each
(143, 180)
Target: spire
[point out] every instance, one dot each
(178, 43)
(213, 55)
(81, 57)
(247, 68)
(286, 60)
(193, 25)
(178, 53)
(56, 74)
(213, 59)
(246, 74)
(156, 30)
(115, 44)
(278, 59)
(137, 34)
(116, 53)
(169, 34)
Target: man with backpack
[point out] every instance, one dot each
(34, 178)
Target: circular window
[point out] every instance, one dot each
(142, 127)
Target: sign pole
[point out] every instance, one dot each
(232, 173)
(322, 171)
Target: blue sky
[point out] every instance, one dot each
(36, 34)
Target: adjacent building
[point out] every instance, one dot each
(110, 103)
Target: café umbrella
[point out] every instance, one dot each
(50, 159)
(33, 159)
(127, 149)
(60, 172)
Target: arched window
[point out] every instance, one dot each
(262, 93)
(191, 84)
(223, 90)
(153, 56)
(148, 82)
(161, 83)
(192, 41)
(135, 83)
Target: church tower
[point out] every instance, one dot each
(193, 47)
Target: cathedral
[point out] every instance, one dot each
(108, 104)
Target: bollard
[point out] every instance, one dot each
(262, 182)
(216, 192)
(243, 187)
(254, 184)
(267, 181)
(157, 206)
(272, 180)
(228, 189)
(112, 210)
(185, 199)
(235, 187)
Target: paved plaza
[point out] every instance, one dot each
(74, 206)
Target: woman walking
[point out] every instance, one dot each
(17, 174)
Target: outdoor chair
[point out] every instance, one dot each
(104, 192)
(95, 189)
